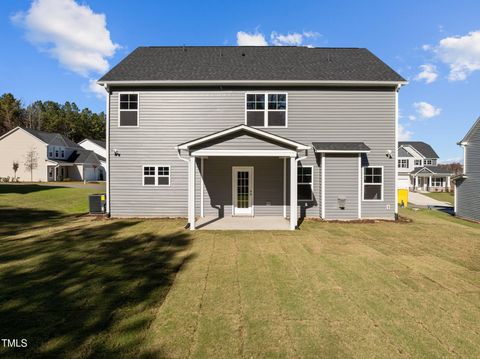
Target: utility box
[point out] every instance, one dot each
(97, 203)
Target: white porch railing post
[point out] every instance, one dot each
(191, 193)
(293, 193)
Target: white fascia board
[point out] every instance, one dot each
(343, 151)
(250, 82)
(244, 153)
(260, 133)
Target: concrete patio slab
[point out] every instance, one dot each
(243, 223)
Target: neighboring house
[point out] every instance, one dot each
(467, 185)
(418, 168)
(57, 157)
(248, 131)
(99, 147)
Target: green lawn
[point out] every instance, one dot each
(81, 287)
(442, 196)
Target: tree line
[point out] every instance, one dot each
(49, 116)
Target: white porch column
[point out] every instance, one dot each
(448, 183)
(284, 187)
(293, 193)
(416, 182)
(202, 184)
(191, 193)
(429, 182)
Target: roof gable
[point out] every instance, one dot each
(251, 63)
(421, 147)
(402, 152)
(242, 129)
(470, 133)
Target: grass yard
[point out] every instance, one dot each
(80, 287)
(442, 196)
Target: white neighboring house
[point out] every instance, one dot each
(99, 147)
(418, 168)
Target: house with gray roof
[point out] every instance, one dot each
(418, 168)
(57, 157)
(100, 149)
(213, 133)
(467, 185)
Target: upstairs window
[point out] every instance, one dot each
(56, 152)
(418, 162)
(266, 109)
(403, 164)
(430, 162)
(305, 183)
(373, 184)
(63, 154)
(128, 113)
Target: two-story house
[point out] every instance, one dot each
(467, 185)
(56, 157)
(418, 168)
(287, 132)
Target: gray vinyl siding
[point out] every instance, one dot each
(267, 190)
(171, 117)
(468, 190)
(341, 181)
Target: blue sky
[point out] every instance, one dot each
(54, 49)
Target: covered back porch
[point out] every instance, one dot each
(242, 178)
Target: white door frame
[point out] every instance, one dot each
(250, 211)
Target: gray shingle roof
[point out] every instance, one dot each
(403, 153)
(473, 129)
(340, 147)
(424, 148)
(82, 156)
(237, 63)
(52, 138)
(100, 143)
(434, 169)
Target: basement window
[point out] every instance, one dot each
(128, 110)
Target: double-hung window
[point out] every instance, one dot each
(403, 164)
(156, 175)
(305, 183)
(418, 162)
(266, 109)
(430, 162)
(373, 183)
(128, 110)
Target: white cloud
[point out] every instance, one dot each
(277, 39)
(249, 39)
(96, 89)
(460, 53)
(412, 118)
(426, 110)
(403, 133)
(294, 39)
(429, 73)
(73, 34)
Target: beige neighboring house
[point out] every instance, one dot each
(58, 157)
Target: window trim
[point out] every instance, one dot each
(137, 110)
(311, 184)
(382, 184)
(156, 176)
(407, 162)
(266, 110)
